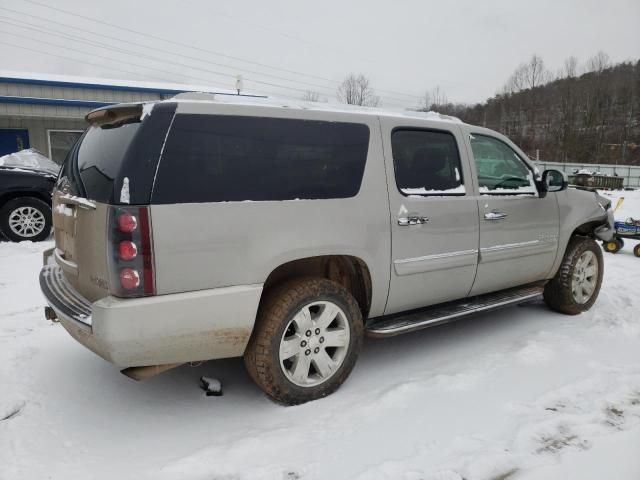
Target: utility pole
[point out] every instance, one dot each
(239, 84)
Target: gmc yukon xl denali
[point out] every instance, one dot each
(200, 228)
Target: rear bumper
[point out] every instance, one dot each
(164, 329)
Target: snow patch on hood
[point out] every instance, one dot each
(30, 160)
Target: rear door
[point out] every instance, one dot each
(81, 243)
(518, 229)
(433, 214)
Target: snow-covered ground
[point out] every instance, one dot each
(518, 394)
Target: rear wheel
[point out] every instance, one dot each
(25, 218)
(613, 246)
(636, 250)
(577, 283)
(306, 340)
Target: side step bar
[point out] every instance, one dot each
(391, 325)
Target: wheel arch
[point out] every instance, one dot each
(13, 194)
(349, 271)
(584, 229)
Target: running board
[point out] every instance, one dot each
(391, 325)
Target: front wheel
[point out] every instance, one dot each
(25, 218)
(307, 338)
(636, 250)
(577, 283)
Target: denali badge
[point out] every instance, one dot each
(100, 282)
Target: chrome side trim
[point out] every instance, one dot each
(497, 248)
(513, 250)
(431, 263)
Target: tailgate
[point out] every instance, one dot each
(81, 243)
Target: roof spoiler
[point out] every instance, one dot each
(118, 113)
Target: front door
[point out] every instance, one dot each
(434, 216)
(518, 229)
(13, 140)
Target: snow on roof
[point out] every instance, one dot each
(275, 102)
(30, 159)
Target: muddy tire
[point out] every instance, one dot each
(577, 283)
(613, 246)
(636, 250)
(306, 340)
(25, 218)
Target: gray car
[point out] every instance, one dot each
(200, 228)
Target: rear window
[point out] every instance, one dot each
(100, 158)
(234, 158)
(109, 154)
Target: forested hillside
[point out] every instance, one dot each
(591, 118)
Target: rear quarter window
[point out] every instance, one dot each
(216, 158)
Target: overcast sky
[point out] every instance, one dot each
(467, 47)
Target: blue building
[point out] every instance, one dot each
(47, 112)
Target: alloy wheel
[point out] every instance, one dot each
(26, 222)
(314, 344)
(585, 277)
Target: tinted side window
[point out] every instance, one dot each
(426, 162)
(216, 158)
(500, 169)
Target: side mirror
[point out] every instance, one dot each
(555, 180)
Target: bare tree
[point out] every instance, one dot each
(356, 90)
(425, 103)
(435, 99)
(599, 62)
(517, 80)
(570, 68)
(536, 74)
(311, 96)
(528, 75)
(438, 97)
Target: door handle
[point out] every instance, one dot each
(495, 215)
(77, 202)
(412, 220)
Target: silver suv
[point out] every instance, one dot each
(201, 228)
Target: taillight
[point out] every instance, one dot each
(129, 278)
(127, 250)
(127, 222)
(130, 252)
